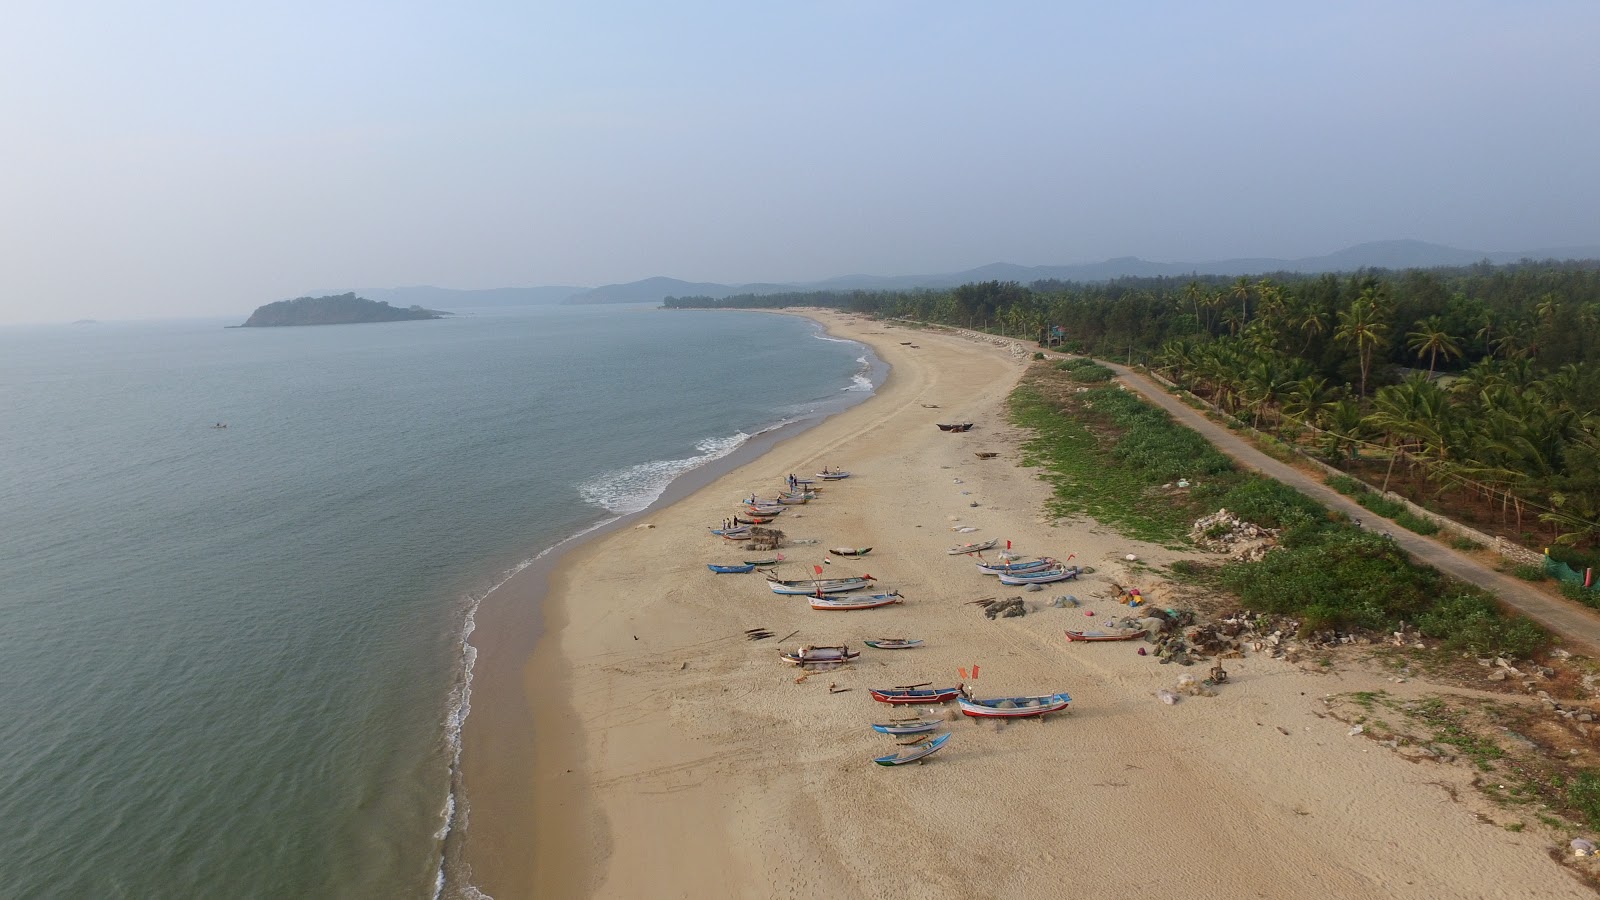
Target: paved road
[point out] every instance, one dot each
(1577, 625)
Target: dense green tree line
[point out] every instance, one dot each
(1479, 378)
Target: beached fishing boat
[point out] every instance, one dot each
(1042, 576)
(765, 512)
(893, 643)
(961, 426)
(731, 570)
(908, 726)
(792, 501)
(766, 560)
(857, 601)
(832, 476)
(739, 533)
(819, 585)
(813, 655)
(915, 753)
(972, 547)
(753, 520)
(1014, 707)
(905, 695)
(849, 551)
(1012, 568)
(1115, 634)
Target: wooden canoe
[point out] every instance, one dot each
(974, 547)
(1123, 634)
(731, 570)
(915, 753)
(1014, 707)
(905, 695)
(872, 601)
(893, 643)
(850, 551)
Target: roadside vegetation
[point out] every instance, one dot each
(1473, 391)
(1120, 461)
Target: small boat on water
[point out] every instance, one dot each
(731, 570)
(957, 427)
(1013, 568)
(914, 753)
(1042, 576)
(819, 585)
(857, 601)
(906, 695)
(766, 561)
(1014, 707)
(1116, 634)
(816, 655)
(908, 726)
(893, 643)
(849, 551)
(832, 476)
(974, 547)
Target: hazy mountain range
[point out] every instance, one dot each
(1374, 255)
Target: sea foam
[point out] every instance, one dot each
(636, 487)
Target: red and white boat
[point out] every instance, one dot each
(1014, 707)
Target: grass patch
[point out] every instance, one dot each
(1528, 573)
(1085, 370)
(1389, 509)
(1582, 792)
(1346, 485)
(1463, 543)
(1417, 523)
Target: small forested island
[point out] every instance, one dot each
(340, 309)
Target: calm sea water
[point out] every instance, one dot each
(234, 658)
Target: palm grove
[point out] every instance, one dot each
(1471, 386)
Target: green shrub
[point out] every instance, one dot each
(1341, 577)
(1583, 794)
(1272, 504)
(1346, 485)
(1038, 354)
(1462, 542)
(1380, 505)
(1528, 572)
(1416, 523)
(1575, 591)
(1470, 620)
(1085, 370)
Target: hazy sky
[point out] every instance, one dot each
(173, 158)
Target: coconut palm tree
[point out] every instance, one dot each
(1431, 339)
(1364, 327)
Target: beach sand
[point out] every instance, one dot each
(674, 758)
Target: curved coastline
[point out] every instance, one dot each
(523, 711)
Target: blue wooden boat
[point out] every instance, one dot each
(908, 726)
(1042, 576)
(915, 753)
(1015, 568)
(731, 570)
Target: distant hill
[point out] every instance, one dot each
(342, 309)
(427, 295)
(1405, 254)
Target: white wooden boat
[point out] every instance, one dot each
(1014, 707)
(973, 547)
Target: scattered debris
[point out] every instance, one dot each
(1008, 608)
(1224, 532)
(1167, 697)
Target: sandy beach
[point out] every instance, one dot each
(643, 748)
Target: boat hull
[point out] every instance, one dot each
(885, 644)
(915, 754)
(984, 709)
(971, 548)
(797, 588)
(1091, 636)
(906, 696)
(731, 570)
(1046, 577)
(848, 603)
(916, 727)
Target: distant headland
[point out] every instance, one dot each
(340, 309)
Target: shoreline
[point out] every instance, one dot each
(687, 761)
(507, 638)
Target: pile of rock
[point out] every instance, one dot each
(1224, 532)
(764, 538)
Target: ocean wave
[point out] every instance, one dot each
(860, 380)
(636, 487)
